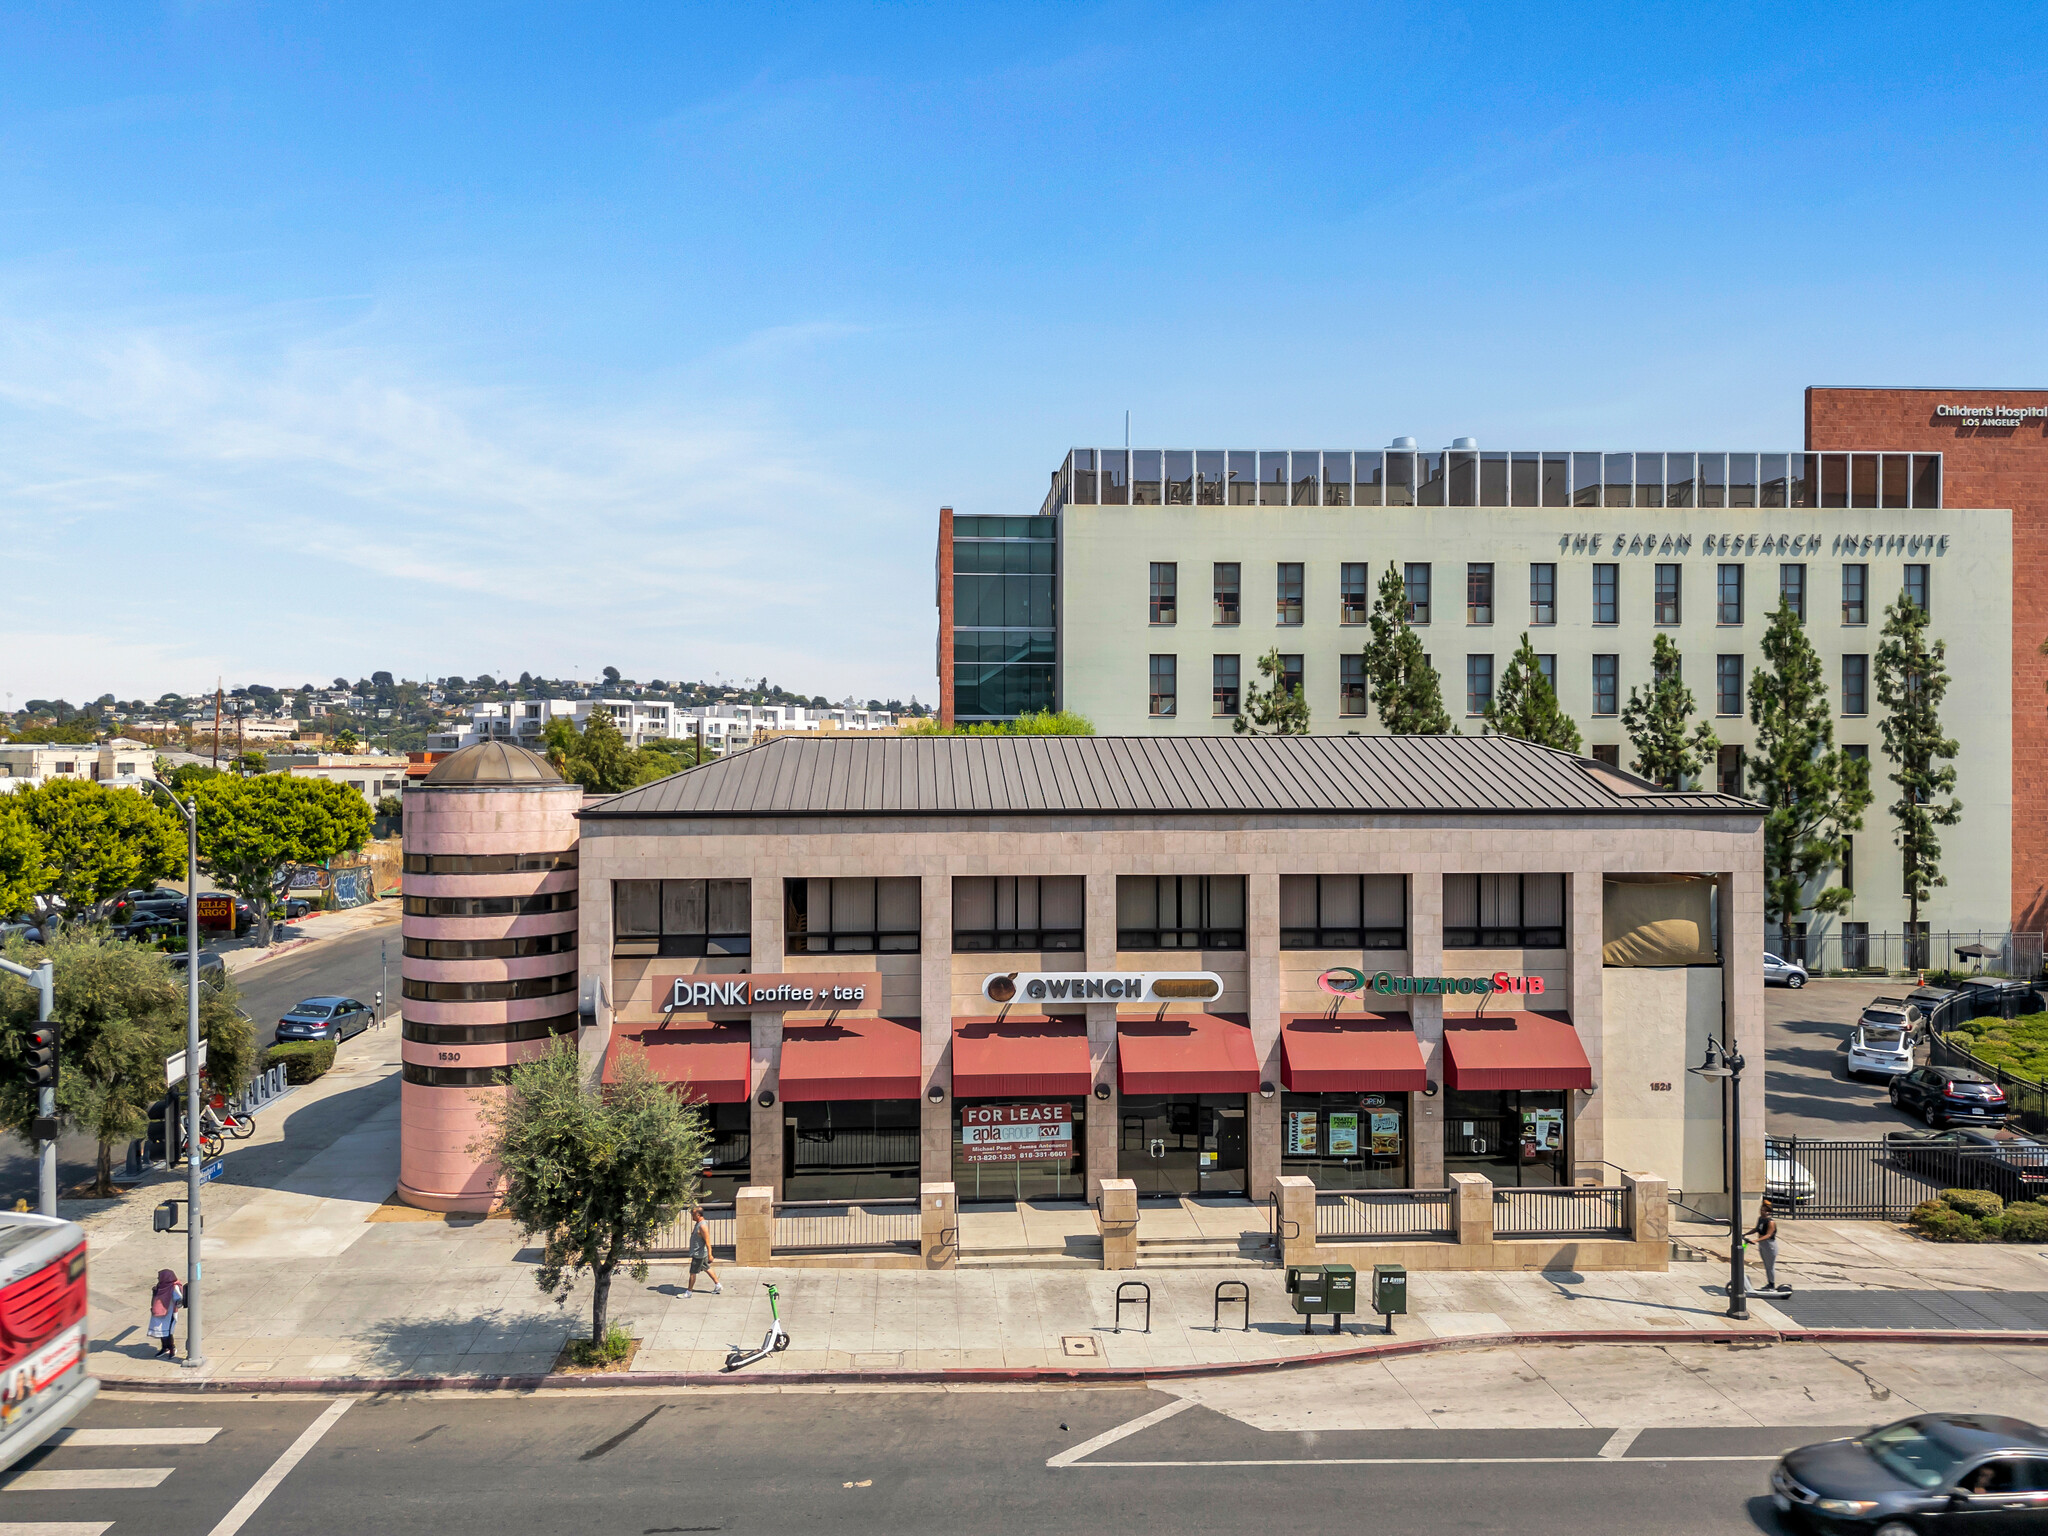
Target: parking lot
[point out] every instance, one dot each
(1807, 1092)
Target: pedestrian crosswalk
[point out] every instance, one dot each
(44, 1479)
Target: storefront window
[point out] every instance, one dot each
(1343, 911)
(1028, 912)
(728, 1160)
(1513, 1136)
(682, 917)
(1020, 1149)
(1346, 1140)
(1192, 1144)
(850, 1149)
(851, 916)
(1180, 912)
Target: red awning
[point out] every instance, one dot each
(1017, 1057)
(1342, 1053)
(1186, 1053)
(851, 1058)
(1514, 1050)
(714, 1060)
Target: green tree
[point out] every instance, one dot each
(390, 807)
(345, 740)
(1668, 750)
(1912, 681)
(185, 775)
(1406, 691)
(558, 741)
(252, 763)
(23, 872)
(252, 830)
(1042, 722)
(595, 1174)
(1276, 709)
(1525, 705)
(98, 842)
(602, 762)
(1813, 793)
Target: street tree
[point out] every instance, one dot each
(594, 1173)
(1276, 709)
(345, 740)
(1525, 705)
(1406, 691)
(1814, 794)
(98, 842)
(602, 762)
(252, 830)
(23, 873)
(1671, 749)
(1912, 681)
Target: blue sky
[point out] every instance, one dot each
(451, 338)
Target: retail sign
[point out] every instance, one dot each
(1016, 1133)
(1992, 415)
(770, 994)
(1347, 981)
(216, 911)
(1103, 987)
(1301, 1132)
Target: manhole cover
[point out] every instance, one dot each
(1079, 1344)
(878, 1360)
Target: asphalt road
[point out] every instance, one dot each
(661, 1464)
(1807, 1091)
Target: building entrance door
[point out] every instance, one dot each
(1192, 1144)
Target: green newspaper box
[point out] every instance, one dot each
(1389, 1291)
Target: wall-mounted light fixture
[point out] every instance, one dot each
(1429, 1089)
(936, 1094)
(767, 1099)
(1265, 1090)
(1102, 1090)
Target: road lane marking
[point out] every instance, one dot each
(55, 1527)
(72, 1478)
(1420, 1461)
(1618, 1443)
(294, 1453)
(123, 1437)
(1109, 1437)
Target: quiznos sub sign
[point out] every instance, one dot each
(1344, 981)
(1103, 987)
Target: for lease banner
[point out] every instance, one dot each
(1016, 1133)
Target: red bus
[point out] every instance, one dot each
(43, 1382)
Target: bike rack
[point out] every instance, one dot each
(1245, 1299)
(1123, 1301)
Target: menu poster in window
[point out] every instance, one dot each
(1343, 1135)
(1016, 1133)
(1386, 1134)
(1542, 1131)
(1301, 1133)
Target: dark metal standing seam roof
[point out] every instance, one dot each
(852, 775)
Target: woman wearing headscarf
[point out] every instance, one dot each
(164, 1302)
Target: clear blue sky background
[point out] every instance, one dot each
(445, 338)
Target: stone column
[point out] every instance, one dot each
(754, 1227)
(935, 1025)
(1102, 1112)
(1587, 916)
(1118, 1223)
(765, 1123)
(1472, 1212)
(1297, 1218)
(1649, 1199)
(1426, 958)
(1262, 978)
(938, 1226)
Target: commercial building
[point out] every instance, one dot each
(372, 777)
(1150, 582)
(24, 764)
(721, 727)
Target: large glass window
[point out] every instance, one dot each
(1524, 489)
(1116, 477)
(1224, 683)
(1926, 479)
(1355, 593)
(1855, 685)
(1031, 912)
(1400, 479)
(1649, 479)
(1712, 481)
(1863, 489)
(1557, 480)
(1898, 480)
(1083, 482)
(1165, 589)
(1370, 476)
(1792, 589)
(1145, 478)
(1415, 583)
(1432, 479)
(851, 916)
(1307, 478)
(1224, 578)
(1180, 477)
(1346, 1140)
(1163, 695)
(1479, 592)
(1209, 477)
(1743, 478)
(1855, 594)
(1287, 593)
(1336, 479)
(1180, 912)
(1244, 477)
(850, 1149)
(1478, 684)
(1512, 1136)
(1606, 684)
(1273, 478)
(1834, 479)
(1621, 475)
(1728, 595)
(1728, 770)
(1668, 592)
(1587, 477)
(1504, 912)
(1351, 695)
(1543, 594)
(682, 917)
(1464, 478)
(1606, 594)
(1678, 479)
(1493, 479)
(1343, 912)
(1727, 685)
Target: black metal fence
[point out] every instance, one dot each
(674, 1239)
(2026, 1100)
(828, 1226)
(1884, 1180)
(1550, 1212)
(1385, 1215)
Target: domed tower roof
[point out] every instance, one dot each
(493, 762)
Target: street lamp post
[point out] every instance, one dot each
(194, 1292)
(1724, 1064)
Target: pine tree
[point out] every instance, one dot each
(1275, 710)
(1525, 705)
(1912, 680)
(1666, 751)
(1405, 689)
(1813, 793)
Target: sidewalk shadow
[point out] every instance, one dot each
(396, 1345)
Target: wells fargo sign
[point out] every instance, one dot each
(765, 994)
(1345, 981)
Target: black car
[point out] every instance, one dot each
(2011, 1166)
(213, 971)
(324, 1018)
(1961, 1472)
(1996, 997)
(1944, 1096)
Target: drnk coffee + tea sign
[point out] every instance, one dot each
(812, 993)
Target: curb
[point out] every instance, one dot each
(1039, 1375)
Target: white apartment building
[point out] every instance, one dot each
(721, 727)
(371, 777)
(25, 764)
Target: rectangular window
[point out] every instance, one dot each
(1855, 946)
(1855, 685)
(1606, 684)
(1792, 589)
(1145, 477)
(1916, 587)
(1667, 593)
(1162, 693)
(1543, 594)
(1728, 595)
(1849, 865)
(1225, 580)
(1351, 699)
(1290, 672)
(1547, 665)
(1524, 477)
(1307, 488)
(1479, 593)
(1287, 594)
(1273, 477)
(1180, 478)
(1415, 580)
(1557, 480)
(1355, 593)
(1606, 594)
(851, 916)
(1728, 771)
(1343, 912)
(1223, 685)
(1116, 477)
(1727, 685)
(1504, 912)
(1608, 753)
(1478, 684)
(1029, 912)
(1209, 477)
(1336, 479)
(1165, 587)
(682, 917)
(1244, 477)
(1180, 912)
(1855, 594)
(1083, 481)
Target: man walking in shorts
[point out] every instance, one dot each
(700, 1253)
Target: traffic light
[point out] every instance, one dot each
(161, 1141)
(40, 1069)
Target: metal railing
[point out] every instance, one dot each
(836, 1226)
(2025, 1100)
(1883, 1180)
(263, 1087)
(2020, 954)
(1546, 1212)
(675, 1237)
(1386, 1215)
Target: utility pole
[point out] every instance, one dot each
(194, 1353)
(42, 1076)
(218, 698)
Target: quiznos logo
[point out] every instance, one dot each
(1345, 981)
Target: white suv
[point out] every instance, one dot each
(1881, 1045)
(1788, 973)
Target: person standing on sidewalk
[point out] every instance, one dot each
(164, 1301)
(1767, 1243)
(700, 1253)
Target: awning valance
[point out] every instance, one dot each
(1350, 1052)
(714, 1061)
(1186, 1053)
(1017, 1056)
(1514, 1050)
(851, 1057)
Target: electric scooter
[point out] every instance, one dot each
(776, 1339)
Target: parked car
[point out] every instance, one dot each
(2010, 1165)
(296, 907)
(1786, 1181)
(1941, 1008)
(1881, 1044)
(1932, 1473)
(27, 931)
(213, 971)
(1996, 997)
(324, 1018)
(1944, 1096)
(1784, 973)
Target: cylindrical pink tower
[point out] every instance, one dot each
(490, 953)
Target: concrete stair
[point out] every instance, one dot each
(1250, 1250)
